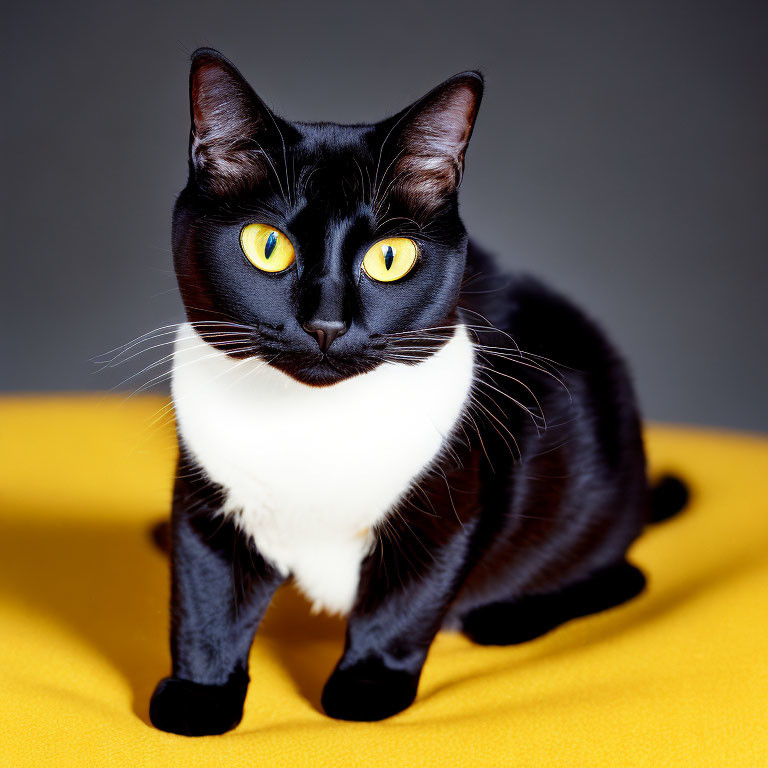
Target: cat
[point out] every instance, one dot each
(367, 405)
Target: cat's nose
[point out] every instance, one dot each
(325, 331)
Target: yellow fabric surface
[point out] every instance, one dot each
(677, 677)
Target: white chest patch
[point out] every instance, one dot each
(309, 471)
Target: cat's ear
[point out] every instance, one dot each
(232, 128)
(430, 139)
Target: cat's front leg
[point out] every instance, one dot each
(220, 590)
(406, 587)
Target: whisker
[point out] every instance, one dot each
(506, 429)
(162, 331)
(138, 339)
(115, 361)
(167, 374)
(527, 410)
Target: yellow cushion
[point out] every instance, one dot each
(677, 677)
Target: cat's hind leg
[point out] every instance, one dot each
(525, 618)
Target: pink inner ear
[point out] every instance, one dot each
(433, 146)
(449, 124)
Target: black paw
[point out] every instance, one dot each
(368, 691)
(510, 623)
(505, 624)
(192, 709)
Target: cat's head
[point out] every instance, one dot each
(320, 247)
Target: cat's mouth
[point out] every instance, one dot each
(323, 370)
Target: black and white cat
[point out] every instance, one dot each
(416, 446)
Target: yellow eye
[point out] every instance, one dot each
(267, 248)
(390, 259)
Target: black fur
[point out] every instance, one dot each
(523, 523)
(668, 497)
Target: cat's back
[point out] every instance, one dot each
(538, 318)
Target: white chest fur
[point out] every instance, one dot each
(309, 471)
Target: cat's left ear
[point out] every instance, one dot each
(430, 138)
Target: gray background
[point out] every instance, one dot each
(620, 153)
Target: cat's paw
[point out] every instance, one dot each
(192, 709)
(368, 691)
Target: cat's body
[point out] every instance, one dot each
(419, 440)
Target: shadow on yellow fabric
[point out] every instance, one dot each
(677, 676)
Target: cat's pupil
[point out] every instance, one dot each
(271, 243)
(389, 255)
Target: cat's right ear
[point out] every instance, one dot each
(232, 128)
